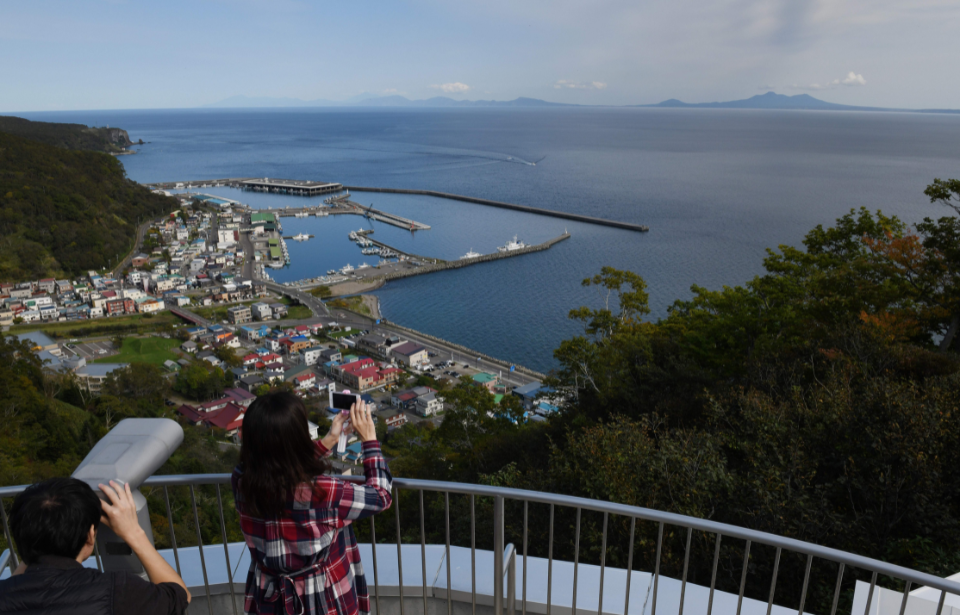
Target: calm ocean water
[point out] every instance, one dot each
(716, 187)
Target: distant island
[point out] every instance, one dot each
(770, 100)
(367, 100)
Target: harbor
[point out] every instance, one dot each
(265, 245)
(302, 188)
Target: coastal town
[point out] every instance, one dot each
(197, 288)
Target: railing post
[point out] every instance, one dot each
(512, 584)
(498, 547)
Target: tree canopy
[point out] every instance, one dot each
(66, 212)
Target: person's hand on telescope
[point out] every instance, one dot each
(362, 421)
(120, 515)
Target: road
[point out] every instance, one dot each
(442, 351)
(249, 257)
(136, 248)
(316, 306)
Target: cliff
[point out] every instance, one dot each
(68, 136)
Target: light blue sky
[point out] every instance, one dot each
(114, 54)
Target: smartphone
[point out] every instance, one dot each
(343, 401)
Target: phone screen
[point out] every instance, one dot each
(342, 401)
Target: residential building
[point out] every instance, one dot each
(239, 314)
(330, 354)
(488, 381)
(295, 344)
(429, 404)
(279, 310)
(92, 376)
(47, 285)
(240, 397)
(394, 419)
(410, 354)
(262, 311)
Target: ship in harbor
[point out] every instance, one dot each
(471, 254)
(512, 245)
(347, 269)
(301, 237)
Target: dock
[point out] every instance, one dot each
(376, 214)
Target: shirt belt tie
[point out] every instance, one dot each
(287, 591)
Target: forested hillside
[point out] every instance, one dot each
(819, 401)
(64, 212)
(67, 136)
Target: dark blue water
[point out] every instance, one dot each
(716, 188)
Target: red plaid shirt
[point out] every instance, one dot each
(306, 561)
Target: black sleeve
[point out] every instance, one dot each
(134, 596)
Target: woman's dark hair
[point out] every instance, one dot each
(54, 518)
(276, 453)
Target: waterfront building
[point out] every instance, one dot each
(410, 354)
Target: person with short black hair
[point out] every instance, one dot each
(54, 525)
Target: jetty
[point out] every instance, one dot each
(629, 226)
(313, 188)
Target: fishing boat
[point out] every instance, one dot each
(512, 245)
(347, 269)
(470, 254)
(301, 237)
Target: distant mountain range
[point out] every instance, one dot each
(770, 100)
(372, 100)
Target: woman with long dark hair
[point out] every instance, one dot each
(296, 519)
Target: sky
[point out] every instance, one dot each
(126, 54)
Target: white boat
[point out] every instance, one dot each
(363, 266)
(301, 237)
(301, 214)
(512, 245)
(470, 254)
(347, 269)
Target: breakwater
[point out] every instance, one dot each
(466, 262)
(640, 228)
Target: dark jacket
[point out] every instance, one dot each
(59, 585)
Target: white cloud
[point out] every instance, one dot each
(852, 79)
(452, 88)
(575, 85)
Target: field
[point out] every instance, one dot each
(154, 350)
(133, 324)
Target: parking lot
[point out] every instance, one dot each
(90, 350)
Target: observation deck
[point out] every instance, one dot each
(409, 575)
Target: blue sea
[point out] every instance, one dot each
(716, 187)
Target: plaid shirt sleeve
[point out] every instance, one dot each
(353, 502)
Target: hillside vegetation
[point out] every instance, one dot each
(818, 401)
(67, 136)
(65, 212)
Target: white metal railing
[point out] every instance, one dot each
(505, 556)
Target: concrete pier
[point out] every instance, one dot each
(525, 208)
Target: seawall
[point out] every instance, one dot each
(466, 262)
(525, 208)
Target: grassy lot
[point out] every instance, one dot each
(132, 324)
(294, 312)
(154, 350)
(354, 304)
(298, 312)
